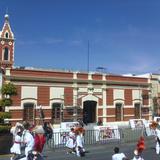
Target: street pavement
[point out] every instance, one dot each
(99, 152)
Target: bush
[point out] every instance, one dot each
(5, 102)
(4, 115)
(5, 129)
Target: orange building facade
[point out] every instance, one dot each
(66, 96)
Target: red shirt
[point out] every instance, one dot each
(39, 141)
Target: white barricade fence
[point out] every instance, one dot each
(61, 135)
(142, 124)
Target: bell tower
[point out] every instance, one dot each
(6, 45)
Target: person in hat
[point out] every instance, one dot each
(39, 139)
(137, 156)
(154, 127)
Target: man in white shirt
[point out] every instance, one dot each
(79, 144)
(117, 155)
(154, 127)
(27, 138)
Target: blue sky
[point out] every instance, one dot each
(124, 35)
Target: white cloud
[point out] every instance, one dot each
(27, 42)
(75, 42)
(53, 40)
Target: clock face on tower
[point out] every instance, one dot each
(10, 43)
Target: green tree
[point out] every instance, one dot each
(7, 90)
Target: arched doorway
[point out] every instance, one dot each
(89, 111)
(56, 113)
(28, 112)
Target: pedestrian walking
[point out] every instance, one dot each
(71, 142)
(27, 139)
(48, 132)
(80, 151)
(16, 148)
(118, 156)
(39, 139)
(15, 129)
(156, 130)
(140, 145)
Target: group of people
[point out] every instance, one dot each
(154, 126)
(121, 156)
(30, 140)
(75, 142)
(140, 146)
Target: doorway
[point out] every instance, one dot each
(89, 111)
(56, 113)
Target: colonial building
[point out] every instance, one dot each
(67, 95)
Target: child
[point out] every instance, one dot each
(71, 141)
(80, 151)
(16, 148)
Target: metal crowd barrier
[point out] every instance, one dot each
(109, 136)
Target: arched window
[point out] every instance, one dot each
(6, 54)
(6, 35)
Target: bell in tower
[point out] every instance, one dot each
(6, 45)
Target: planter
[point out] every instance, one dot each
(6, 140)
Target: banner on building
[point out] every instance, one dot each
(68, 125)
